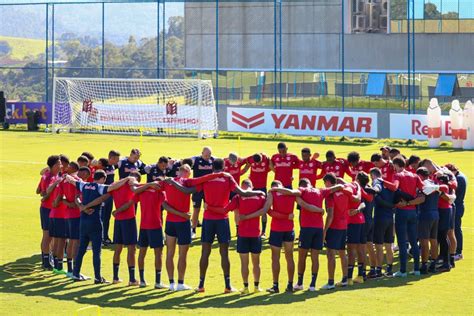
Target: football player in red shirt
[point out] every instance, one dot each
(356, 237)
(249, 241)
(233, 165)
(282, 234)
(178, 226)
(282, 164)
(47, 179)
(385, 166)
(308, 166)
(125, 229)
(406, 221)
(355, 165)
(259, 165)
(413, 163)
(333, 165)
(68, 193)
(216, 192)
(151, 197)
(310, 200)
(335, 230)
(385, 152)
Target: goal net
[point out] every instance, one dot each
(134, 106)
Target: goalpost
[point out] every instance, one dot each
(171, 107)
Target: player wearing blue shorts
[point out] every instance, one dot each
(310, 200)
(47, 179)
(93, 194)
(428, 218)
(383, 223)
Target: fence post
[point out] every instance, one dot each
(47, 55)
(103, 41)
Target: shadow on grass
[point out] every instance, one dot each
(25, 277)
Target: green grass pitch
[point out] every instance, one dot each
(25, 290)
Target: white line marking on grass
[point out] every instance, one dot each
(19, 196)
(22, 162)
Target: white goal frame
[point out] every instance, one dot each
(209, 117)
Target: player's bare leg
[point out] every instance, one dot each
(141, 265)
(302, 254)
(290, 264)
(131, 249)
(453, 244)
(225, 264)
(158, 267)
(203, 264)
(244, 270)
(182, 261)
(276, 251)
(116, 262)
(170, 251)
(256, 270)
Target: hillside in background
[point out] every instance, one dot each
(121, 20)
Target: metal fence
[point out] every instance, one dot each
(269, 53)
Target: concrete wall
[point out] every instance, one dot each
(310, 40)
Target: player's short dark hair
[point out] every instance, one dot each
(136, 175)
(452, 167)
(306, 150)
(99, 174)
(330, 154)
(399, 161)
(64, 158)
(304, 183)
(88, 155)
(135, 151)
(363, 178)
(257, 158)
(413, 159)
(276, 183)
(74, 165)
(114, 153)
(353, 156)
(376, 157)
(163, 159)
(248, 182)
(394, 151)
(83, 159)
(424, 162)
(422, 171)
(331, 177)
(52, 160)
(281, 145)
(104, 162)
(187, 161)
(443, 178)
(218, 164)
(86, 169)
(376, 172)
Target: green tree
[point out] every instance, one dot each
(431, 12)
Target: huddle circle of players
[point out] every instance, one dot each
(416, 200)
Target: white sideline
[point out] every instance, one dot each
(23, 162)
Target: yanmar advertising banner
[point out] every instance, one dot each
(293, 122)
(414, 126)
